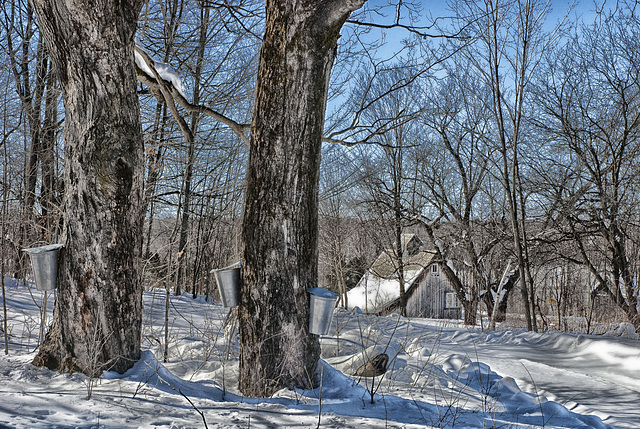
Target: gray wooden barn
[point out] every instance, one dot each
(429, 293)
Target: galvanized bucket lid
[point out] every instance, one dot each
(43, 249)
(230, 267)
(322, 292)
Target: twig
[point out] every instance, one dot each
(204, 420)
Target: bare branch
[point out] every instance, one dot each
(419, 31)
(169, 92)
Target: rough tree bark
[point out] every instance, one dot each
(281, 203)
(99, 301)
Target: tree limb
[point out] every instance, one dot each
(168, 90)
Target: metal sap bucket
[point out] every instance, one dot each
(323, 301)
(228, 280)
(44, 263)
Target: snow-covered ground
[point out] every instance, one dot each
(440, 375)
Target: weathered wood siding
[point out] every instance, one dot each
(429, 298)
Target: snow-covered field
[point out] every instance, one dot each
(440, 375)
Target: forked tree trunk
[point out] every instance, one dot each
(98, 314)
(281, 205)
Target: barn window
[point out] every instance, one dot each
(451, 300)
(434, 269)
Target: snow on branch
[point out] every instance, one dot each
(168, 86)
(164, 70)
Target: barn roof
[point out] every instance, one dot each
(385, 266)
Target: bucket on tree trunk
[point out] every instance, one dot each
(228, 280)
(44, 263)
(323, 301)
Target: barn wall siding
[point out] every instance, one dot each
(429, 298)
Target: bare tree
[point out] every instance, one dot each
(591, 101)
(509, 43)
(455, 175)
(187, 161)
(342, 246)
(36, 86)
(6, 185)
(389, 181)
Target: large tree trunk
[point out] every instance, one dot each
(98, 314)
(280, 219)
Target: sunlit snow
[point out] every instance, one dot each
(164, 71)
(373, 292)
(441, 374)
